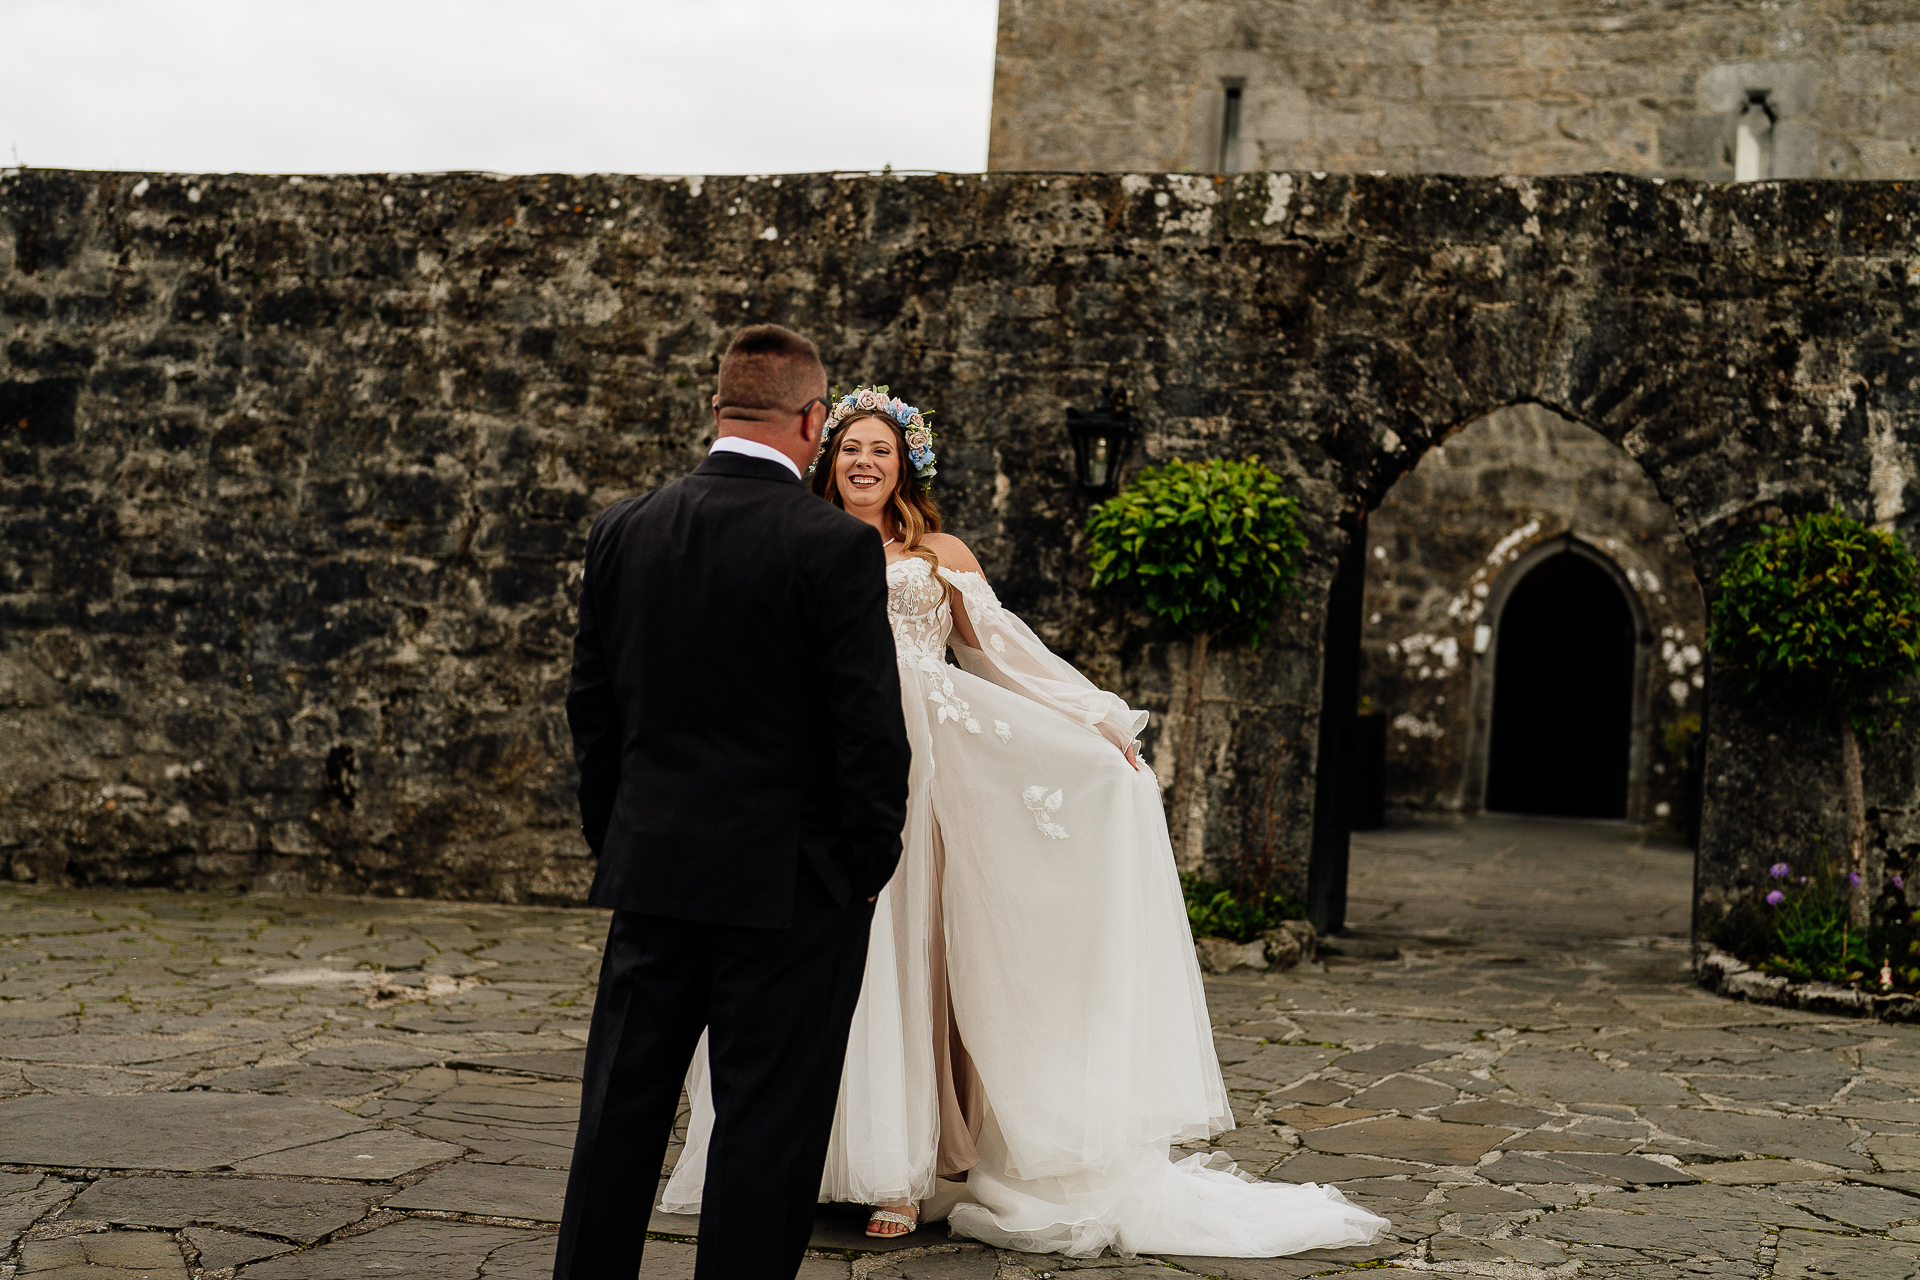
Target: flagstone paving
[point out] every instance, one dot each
(1505, 1056)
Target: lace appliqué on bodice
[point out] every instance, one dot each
(918, 610)
(922, 619)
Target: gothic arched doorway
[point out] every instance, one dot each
(1412, 620)
(1561, 736)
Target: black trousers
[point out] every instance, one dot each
(777, 1004)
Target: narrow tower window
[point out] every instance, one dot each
(1753, 140)
(1230, 132)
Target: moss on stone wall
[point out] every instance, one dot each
(293, 520)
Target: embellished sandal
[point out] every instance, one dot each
(894, 1219)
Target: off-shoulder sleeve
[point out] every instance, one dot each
(1013, 657)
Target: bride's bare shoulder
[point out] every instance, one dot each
(953, 553)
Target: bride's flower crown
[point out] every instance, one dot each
(913, 425)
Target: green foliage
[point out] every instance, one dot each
(1796, 926)
(1825, 613)
(1210, 546)
(1678, 737)
(1215, 911)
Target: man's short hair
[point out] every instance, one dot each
(768, 366)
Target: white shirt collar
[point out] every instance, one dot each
(754, 449)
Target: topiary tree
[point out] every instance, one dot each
(1823, 616)
(1212, 547)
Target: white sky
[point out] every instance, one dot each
(575, 86)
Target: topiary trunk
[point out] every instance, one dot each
(1854, 785)
(1189, 847)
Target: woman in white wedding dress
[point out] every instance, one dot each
(1033, 1036)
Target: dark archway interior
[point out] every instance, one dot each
(1562, 694)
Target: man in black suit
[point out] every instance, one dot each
(735, 708)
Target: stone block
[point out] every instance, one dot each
(372, 1155)
(1385, 1058)
(178, 1131)
(1798, 1091)
(1628, 1169)
(413, 1249)
(1307, 1118)
(1482, 1199)
(1430, 1142)
(1533, 1170)
(1223, 955)
(1896, 1152)
(372, 1057)
(111, 1255)
(220, 1250)
(1651, 1231)
(1399, 1189)
(1567, 1140)
(1864, 1208)
(1746, 1173)
(1304, 942)
(1281, 1064)
(25, 1198)
(1576, 1077)
(667, 1260)
(965, 1263)
(1314, 1166)
(1728, 1204)
(1495, 1113)
(297, 1211)
(488, 1190)
(1810, 1255)
(295, 1080)
(1242, 1268)
(1310, 1093)
(1445, 1248)
(1736, 1133)
(1405, 1093)
(1891, 1112)
(566, 1064)
(501, 1119)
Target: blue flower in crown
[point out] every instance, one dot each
(913, 425)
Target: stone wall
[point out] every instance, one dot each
(1444, 546)
(1646, 87)
(297, 471)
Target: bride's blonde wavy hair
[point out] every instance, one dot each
(912, 507)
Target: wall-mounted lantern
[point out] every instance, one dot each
(1101, 438)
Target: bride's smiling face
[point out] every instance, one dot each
(866, 464)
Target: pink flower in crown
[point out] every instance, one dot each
(918, 439)
(916, 421)
(867, 400)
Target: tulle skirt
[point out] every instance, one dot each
(1075, 991)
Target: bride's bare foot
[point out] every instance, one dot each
(893, 1220)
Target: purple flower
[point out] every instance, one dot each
(1779, 870)
(1898, 883)
(1775, 898)
(1853, 877)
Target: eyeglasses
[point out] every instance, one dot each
(807, 408)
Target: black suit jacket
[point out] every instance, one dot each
(735, 699)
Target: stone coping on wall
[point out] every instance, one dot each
(1736, 979)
